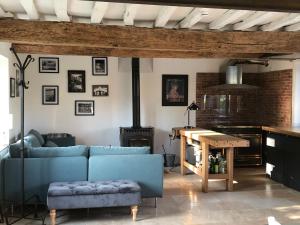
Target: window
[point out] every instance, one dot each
(4, 102)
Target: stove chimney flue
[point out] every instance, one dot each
(136, 119)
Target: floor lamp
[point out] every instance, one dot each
(24, 85)
(191, 107)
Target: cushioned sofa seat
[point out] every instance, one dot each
(116, 150)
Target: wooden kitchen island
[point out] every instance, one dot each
(204, 140)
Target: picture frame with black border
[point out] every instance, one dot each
(101, 90)
(12, 87)
(50, 94)
(84, 108)
(99, 66)
(48, 65)
(76, 81)
(174, 90)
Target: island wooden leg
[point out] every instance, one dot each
(182, 154)
(134, 210)
(205, 151)
(229, 159)
(53, 216)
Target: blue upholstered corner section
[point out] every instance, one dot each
(145, 169)
(117, 150)
(40, 172)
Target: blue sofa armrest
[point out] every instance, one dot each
(145, 169)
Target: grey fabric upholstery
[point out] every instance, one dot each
(85, 194)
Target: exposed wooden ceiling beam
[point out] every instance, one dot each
(119, 37)
(61, 10)
(30, 8)
(257, 5)
(98, 11)
(294, 27)
(130, 12)
(90, 51)
(194, 17)
(164, 15)
(253, 20)
(228, 17)
(292, 18)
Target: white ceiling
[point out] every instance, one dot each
(149, 15)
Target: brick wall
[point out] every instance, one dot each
(271, 104)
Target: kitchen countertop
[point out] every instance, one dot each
(291, 131)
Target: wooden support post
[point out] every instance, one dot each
(229, 159)
(182, 154)
(205, 151)
(134, 210)
(53, 216)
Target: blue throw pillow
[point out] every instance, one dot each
(38, 136)
(32, 140)
(50, 144)
(15, 149)
(117, 150)
(49, 152)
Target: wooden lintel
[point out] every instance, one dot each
(90, 51)
(154, 39)
(258, 5)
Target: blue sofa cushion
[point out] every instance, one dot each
(49, 152)
(15, 149)
(92, 188)
(116, 150)
(50, 144)
(38, 136)
(32, 140)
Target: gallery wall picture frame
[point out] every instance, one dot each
(50, 94)
(76, 81)
(101, 90)
(12, 87)
(174, 90)
(99, 66)
(84, 108)
(48, 65)
(17, 83)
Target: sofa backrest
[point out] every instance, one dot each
(48, 152)
(117, 150)
(146, 169)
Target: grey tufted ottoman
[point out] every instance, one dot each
(86, 194)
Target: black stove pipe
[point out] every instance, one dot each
(136, 119)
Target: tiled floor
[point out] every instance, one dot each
(254, 200)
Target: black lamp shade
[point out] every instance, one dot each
(193, 106)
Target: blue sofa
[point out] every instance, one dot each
(44, 165)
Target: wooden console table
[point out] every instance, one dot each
(204, 140)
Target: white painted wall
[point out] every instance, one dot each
(113, 111)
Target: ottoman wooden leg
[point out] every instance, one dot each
(53, 216)
(134, 210)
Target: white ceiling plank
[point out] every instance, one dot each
(227, 18)
(30, 8)
(61, 10)
(294, 27)
(292, 18)
(164, 15)
(194, 17)
(253, 20)
(99, 11)
(130, 13)
(5, 14)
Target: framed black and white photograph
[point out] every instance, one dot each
(100, 90)
(17, 83)
(50, 95)
(99, 66)
(174, 90)
(48, 65)
(84, 108)
(76, 81)
(12, 87)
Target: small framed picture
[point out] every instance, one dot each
(100, 90)
(50, 95)
(84, 108)
(99, 66)
(12, 87)
(76, 81)
(17, 83)
(174, 90)
(48, 65)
